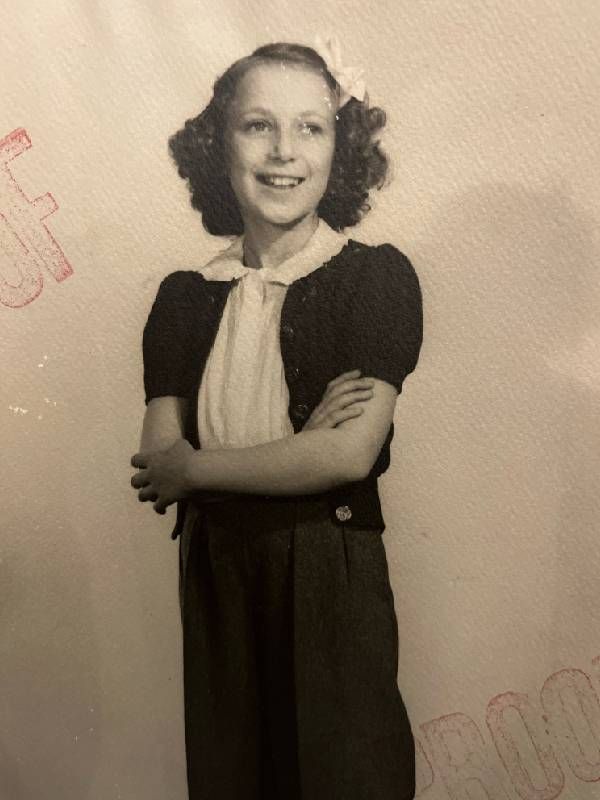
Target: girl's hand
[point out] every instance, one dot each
(162, 475)
(342, 400)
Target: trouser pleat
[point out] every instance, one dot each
(290, 659)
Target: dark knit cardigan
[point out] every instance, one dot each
(360, 310)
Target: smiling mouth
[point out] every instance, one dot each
(279, 181)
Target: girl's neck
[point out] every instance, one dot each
(269, 246)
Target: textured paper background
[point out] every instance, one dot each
(492, 500)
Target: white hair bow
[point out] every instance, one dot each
(350, 79)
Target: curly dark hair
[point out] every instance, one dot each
(358, 165)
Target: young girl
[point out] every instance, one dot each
(261, 428)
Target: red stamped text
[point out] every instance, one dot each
(533, 744)
(27, 247)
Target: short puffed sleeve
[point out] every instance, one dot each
(387, 316)
(168, 368)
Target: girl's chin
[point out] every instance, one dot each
(283, 216)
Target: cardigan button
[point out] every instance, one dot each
(295, 372)
(287, 330)
(301, 410)
(343, 513)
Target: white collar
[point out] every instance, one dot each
(322, 246)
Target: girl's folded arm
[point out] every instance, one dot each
(306, 462)
(163, 423)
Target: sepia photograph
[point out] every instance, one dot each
(299, 308)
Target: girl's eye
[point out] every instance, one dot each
(261, 125)
(256, 125)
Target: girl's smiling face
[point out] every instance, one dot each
(280, 140)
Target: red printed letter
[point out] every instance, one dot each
(460, 757)
(26, 244)
(424, 773)
(571, 703)
(518, 763)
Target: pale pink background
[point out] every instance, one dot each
(492, 500)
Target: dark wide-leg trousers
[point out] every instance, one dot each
(290, 657)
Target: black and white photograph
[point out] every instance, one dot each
(301, 346)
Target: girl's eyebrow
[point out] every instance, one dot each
(266, 112)
(256, 110)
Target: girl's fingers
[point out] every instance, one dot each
(345, 393)
(350, 386)
(314, 421)
(343, 414)
(335, 415)
(347, 398)
(140, 479)
(139, 460)
(344, 377)
(147, 494)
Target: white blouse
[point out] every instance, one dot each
(243, 397)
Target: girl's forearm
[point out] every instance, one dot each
(304, 463)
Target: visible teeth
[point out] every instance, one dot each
(276, 180)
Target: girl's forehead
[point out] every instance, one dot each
(284, 86)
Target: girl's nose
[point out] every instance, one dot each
(283, 145)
